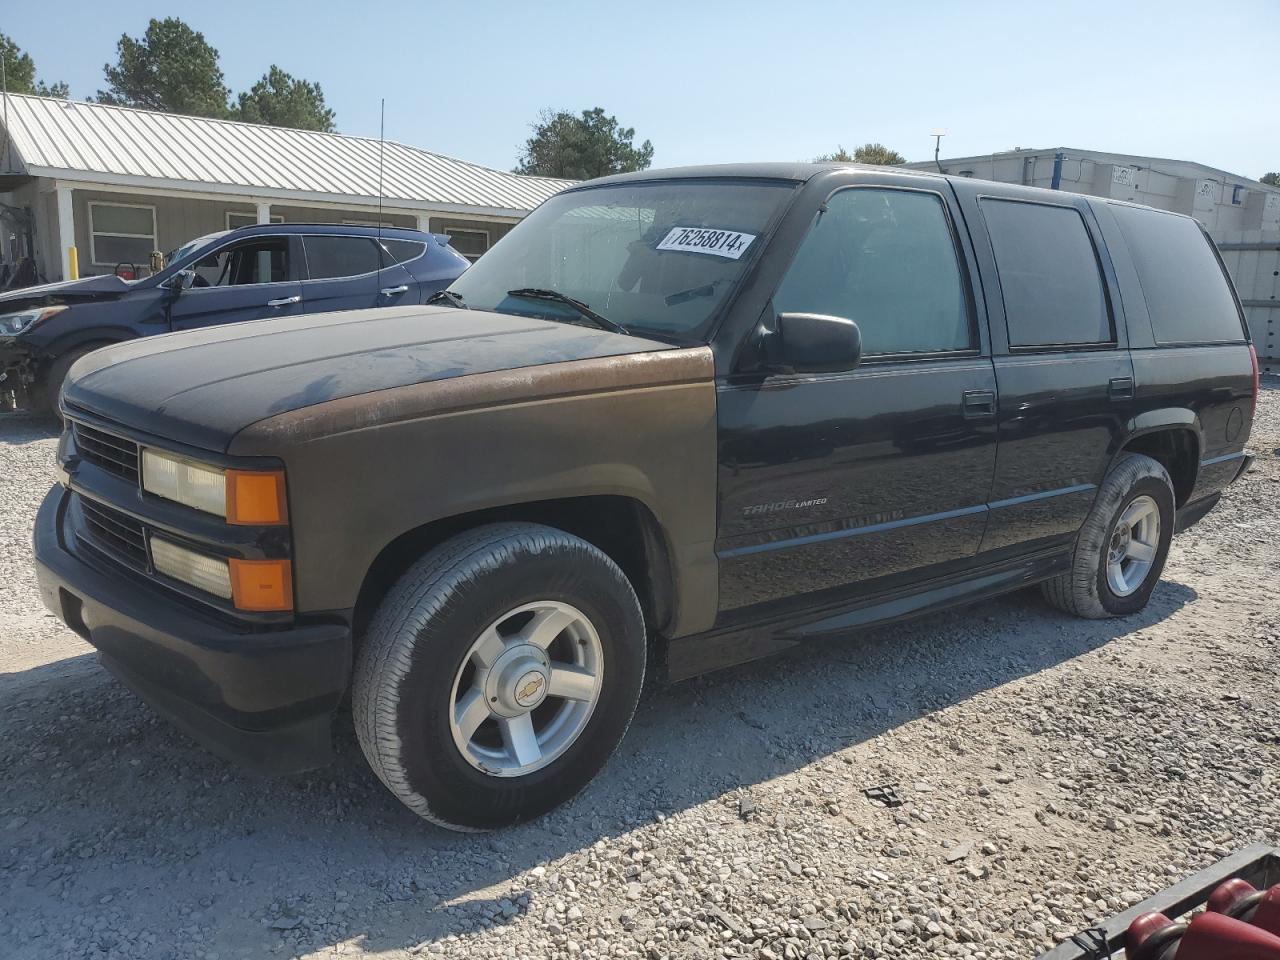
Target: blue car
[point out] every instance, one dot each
(250, 273)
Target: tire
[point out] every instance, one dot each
(1090, 588)
(418, 665)
(46, 398)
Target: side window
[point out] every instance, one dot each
(1186, 291)
(263, 260)
(1049, 275)
(333, 257)
(887, 260)
(402, 251)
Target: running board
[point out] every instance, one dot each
(726, 647)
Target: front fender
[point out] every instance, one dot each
(362, 471)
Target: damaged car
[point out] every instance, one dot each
(250, 273)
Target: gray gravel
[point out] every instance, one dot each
(1053, 770)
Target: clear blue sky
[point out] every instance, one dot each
(722, 81)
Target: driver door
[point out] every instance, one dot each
(250, 279)
(836, 486)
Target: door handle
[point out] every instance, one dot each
(392, 291)
(283, 301)
(978, 404)
(1120, 388)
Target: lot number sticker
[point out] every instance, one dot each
(730, 244)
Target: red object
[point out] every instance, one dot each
(1152, 936)
(1267, 914)
(1230, 897)
(1242, 901)
(1212, 936)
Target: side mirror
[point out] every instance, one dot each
(182, 280)
(816, 343)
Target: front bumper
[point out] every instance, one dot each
(17, 374)
(263, 698)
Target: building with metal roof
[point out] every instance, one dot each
(1242, 215)
(113, 182)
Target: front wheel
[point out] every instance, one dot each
(1122, 546)
(45, 399)
(498, 675)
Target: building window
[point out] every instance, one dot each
(235, 220)
(121, 233)
(472, 244)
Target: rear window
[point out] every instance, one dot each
(402, 251)
(1186, 291)
(1049, 276)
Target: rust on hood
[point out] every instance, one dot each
(520, 385)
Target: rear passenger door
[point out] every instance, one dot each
(350, 273)
(841, 485)
(1063, 372)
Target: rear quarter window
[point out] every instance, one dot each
(402, 251)
(1187, 293)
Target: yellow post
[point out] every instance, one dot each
(73, 263)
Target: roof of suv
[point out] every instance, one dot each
(351, 229)
(757, 171)
(800, 172)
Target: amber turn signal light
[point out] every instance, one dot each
(262, 585)
(256, 497)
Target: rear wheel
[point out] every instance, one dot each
(498, 675)
(1122, 546)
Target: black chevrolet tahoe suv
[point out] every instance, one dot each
(674, 420)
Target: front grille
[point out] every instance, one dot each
(114, 454)
(115, 534)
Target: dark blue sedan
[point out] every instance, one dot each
(266, 270)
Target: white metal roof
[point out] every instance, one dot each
(73, 140)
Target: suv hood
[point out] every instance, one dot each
(202, 387)
(68, 291)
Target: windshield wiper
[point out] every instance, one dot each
(540, 293)
(449, 297)
(684, 296)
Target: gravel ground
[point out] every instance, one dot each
(1054, 771)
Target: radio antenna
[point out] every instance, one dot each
(382, 136)
(4, 92)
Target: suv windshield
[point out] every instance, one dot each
(655, 256)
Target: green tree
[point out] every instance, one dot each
(841, 155)
(282, 101)
(580, 148)
(1272, 179)
(170, 68)
(876, 153)
(20, 72)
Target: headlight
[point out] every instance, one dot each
(254, 497)
(12, 324)
(185, 481)
(210, 574)
(258, 586)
